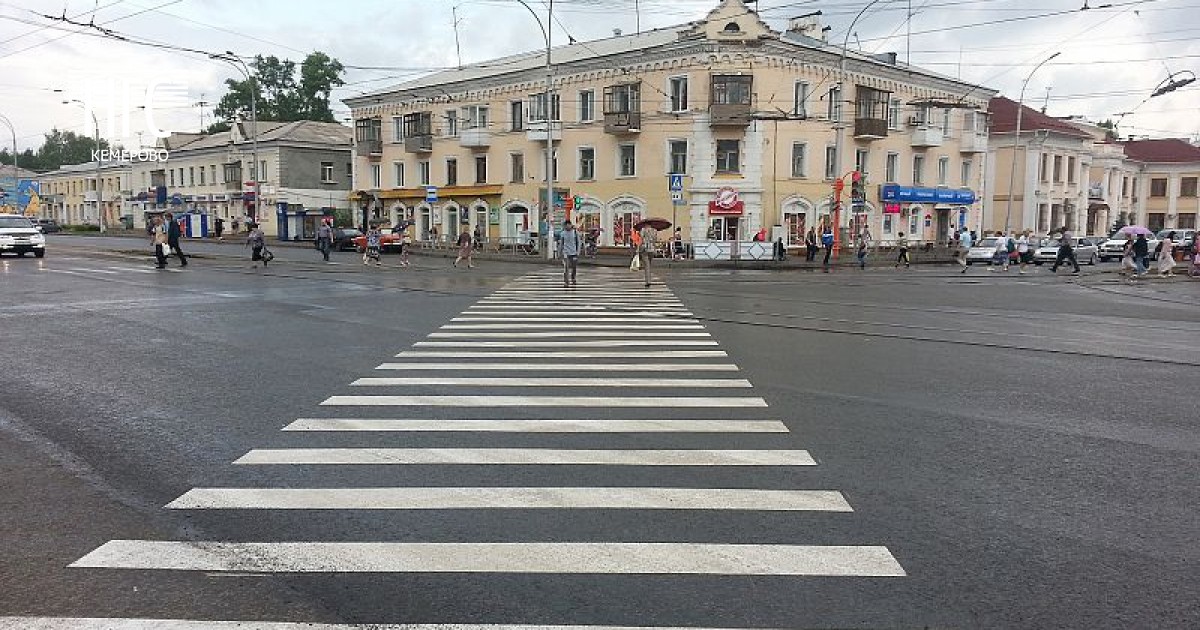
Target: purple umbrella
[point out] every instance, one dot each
(1134, 230)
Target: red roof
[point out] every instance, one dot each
(1163, 150)
(1004, 119)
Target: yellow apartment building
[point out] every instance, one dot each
(745, 116)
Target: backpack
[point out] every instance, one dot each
(1011, 245)
(827, 239)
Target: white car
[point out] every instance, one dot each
(18, 235)
(983, 251)
(1086, 252)
(1114, 247)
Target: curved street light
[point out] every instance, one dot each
(840, 125)
(237, 62)
(96, 139)
(549, 125)
(1012, 171)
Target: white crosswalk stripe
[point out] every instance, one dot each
(603, 365)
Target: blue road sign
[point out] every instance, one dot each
(675, 183)
(431, 194)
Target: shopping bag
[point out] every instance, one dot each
(636, 263)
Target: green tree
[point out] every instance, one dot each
(1122, 221)
(1110, 126)
(58, 148)
(281, 96)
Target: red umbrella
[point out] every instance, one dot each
(658, 224)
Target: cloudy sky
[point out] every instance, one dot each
(1113, 54)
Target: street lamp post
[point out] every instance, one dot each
(1012, 171)
(16, 172)
(840, 124)
(238, 63)
(549, 127)
(96, 138)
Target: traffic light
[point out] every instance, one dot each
(858, 191)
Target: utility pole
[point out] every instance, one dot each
(457, 47)
(16, 171)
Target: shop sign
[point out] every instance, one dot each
(895, 193)
(726, 202)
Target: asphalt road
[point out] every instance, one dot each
(933, 449)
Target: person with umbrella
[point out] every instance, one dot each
(648, 233)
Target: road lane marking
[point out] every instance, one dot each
(593, 354)
(642, 325)
(554, 558)
(387, 381)
(538, 426)
(599, 343)
(658, 402)
(125, 623)
(492, 498)
(572, 333)
(656, 320)
(524, 456)
(566, 367)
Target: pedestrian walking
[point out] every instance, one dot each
(569, 247)
(405, 245)
(325, 239)
(964, 248)
(374, 241)
(902, 246)
(1166, 256)
(158, 240)
(478, 236)
(1194, 257)
(1141, 255)
(647, 239)
(1024, 250)
(257, 241)
(1065, 252)
(861, 249)
(827, 243)
(780, 249)
(677, 244)
(466, 248)
(810, 245)
(234, 225)
(174, 232)
(219, 228)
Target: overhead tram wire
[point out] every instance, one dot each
(43, 27)
(82, 31)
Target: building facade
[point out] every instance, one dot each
(746, 117)
(303, 173)
(1073, 173)
(68, 195)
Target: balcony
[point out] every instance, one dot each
(418, 144)
(870, 128)
(370, 147)
(925, 136)
(535, 130)
(973, 143)
(729, 115)
(621, 123)
(477, 138)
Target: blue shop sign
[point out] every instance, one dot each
(897, 193)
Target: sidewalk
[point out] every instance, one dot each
(842, 259)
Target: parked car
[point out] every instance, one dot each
(1114, 247)
(983, 251)
(388, 241)
(1183, 238)
(49, 226)
(18, 235)
(1086, 251)
(343, 239)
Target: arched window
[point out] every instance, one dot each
(732, 27)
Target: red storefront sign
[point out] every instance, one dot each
(726, 202)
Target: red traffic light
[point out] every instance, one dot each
(855, 176)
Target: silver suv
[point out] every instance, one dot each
(18, 235)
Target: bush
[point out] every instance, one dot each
(81, 228)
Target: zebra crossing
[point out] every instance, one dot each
(539, 361)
